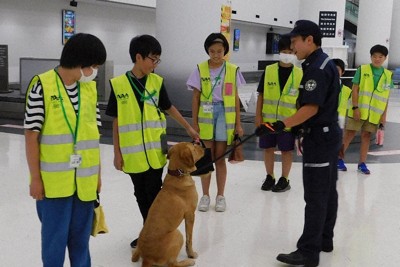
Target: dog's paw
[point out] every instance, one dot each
(135, 255)
(192, 254)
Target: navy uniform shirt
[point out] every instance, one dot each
(320, 86)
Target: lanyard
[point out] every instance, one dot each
(143, 96)
(74, 136)
(215, 83)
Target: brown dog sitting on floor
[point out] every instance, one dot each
(160, 241)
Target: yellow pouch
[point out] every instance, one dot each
(99, 223)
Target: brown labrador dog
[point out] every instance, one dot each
(160, 241)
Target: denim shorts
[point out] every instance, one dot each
(219, 122)
(284, 141)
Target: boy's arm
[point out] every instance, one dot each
(118, 161)
(354, 100)
(195, 109)
(32, 151)
(174, 113)
(258, 119)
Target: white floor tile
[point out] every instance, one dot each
(255, 228)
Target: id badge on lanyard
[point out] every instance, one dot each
(208, 108)
(75, 160)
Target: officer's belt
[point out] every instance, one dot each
(319, 128)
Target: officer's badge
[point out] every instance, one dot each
(310, 85)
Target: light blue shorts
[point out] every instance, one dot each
(219, 122)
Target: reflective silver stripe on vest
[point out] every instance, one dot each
(365, 93)
(271, 102)
(269, 116)
(287, 105)
(324, 63)
(154, 124)
(86, 172)
(280, 117)
(130, 127)
(55, 167)
(230, 109)
(316, 165)
(87, 144)
(205, 120)
(230, 126)
(138, 126)
(140, 148)
(377, 110)
(56, 139)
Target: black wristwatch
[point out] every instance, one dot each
(355, 107)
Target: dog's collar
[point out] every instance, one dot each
(177, 172)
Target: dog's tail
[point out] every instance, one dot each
(136, 254)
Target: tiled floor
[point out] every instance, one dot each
(256, 226)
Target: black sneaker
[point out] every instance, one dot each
(268, 183)
(282, 185)
(296, 258)
(134, 243)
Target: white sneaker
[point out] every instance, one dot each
(204, 203)
(220, 204)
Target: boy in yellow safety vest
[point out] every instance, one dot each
(277, 94)
(62, 150)
(370, 95)
(137, 102)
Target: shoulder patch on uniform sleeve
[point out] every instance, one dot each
(310, 85)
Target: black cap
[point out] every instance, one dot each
(306, 28)
(216, 38)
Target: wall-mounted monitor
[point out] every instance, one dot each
(272, 43)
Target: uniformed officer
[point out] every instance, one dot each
(317, 114)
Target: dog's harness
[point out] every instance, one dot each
(178, 173)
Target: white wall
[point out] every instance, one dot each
(32, 28)
(252, 45)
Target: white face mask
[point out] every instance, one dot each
(286, 58)
(89, 78)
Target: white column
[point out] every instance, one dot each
(182, 27)
(373, 27)
(394, 53)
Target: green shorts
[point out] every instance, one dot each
(363, 125)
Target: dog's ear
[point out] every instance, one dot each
(170, 151)
(186, 155)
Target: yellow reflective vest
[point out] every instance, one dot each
(344, 100)
(372, 101)
(229, 98)
(140, 132)
(57, 142)
(279, 105)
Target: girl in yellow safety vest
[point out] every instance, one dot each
(216, 110)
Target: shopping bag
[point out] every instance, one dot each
(236, 154)
(99, 225)
(205, 164)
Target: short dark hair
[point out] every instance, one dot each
(305, 28)
(379, 49)
(340, 63)
(214, 38)
(144, 45)
(284, 42)
(83, 50)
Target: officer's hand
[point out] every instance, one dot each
(278, 126)
(264, 128)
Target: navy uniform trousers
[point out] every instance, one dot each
(320, 155)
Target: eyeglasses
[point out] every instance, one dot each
(156, 61)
